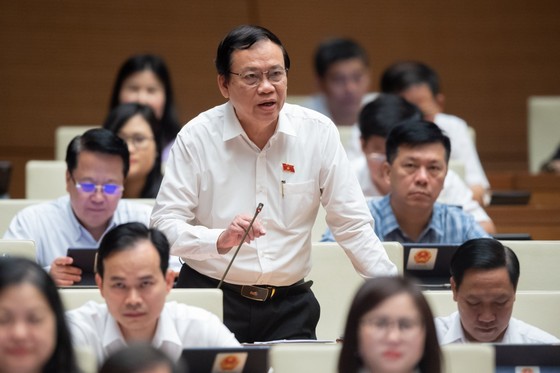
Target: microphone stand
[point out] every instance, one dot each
(257, 211)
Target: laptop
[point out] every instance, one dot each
(429, 264)
(5, 176)
(510, 197)
(248, 359)
(512, 236)
(527, 358)
(85, 259)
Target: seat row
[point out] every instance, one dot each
(336, 281)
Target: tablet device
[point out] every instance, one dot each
(529, 358)
(248, 359)
(85, 259)
(429, 264)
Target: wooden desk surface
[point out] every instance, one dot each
(509, 180)
(542, 222)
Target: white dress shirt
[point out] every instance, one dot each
(455, 191)
(215, 172)
(450, 330)
(462, 148)
(179, 327)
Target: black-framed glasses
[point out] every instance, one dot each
(107, 189)
(254, 78)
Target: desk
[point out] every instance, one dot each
(542, 222)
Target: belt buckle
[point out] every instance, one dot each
(254, 292)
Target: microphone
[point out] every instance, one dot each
(257, 211)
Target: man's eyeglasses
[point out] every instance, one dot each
(139, 142)
(254, 78)
(107, 189)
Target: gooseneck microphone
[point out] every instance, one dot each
(257, 211)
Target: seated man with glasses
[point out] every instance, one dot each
(97, 165)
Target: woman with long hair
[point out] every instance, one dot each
(390, 328)
(33, 332)
(145, 79)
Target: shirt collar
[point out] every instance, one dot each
(387, 216)
(166, 335)
(80, 231)
(437, 220)
(77, 229)
(233, 128)
(390, 221)
(112, 338)
(455, 333)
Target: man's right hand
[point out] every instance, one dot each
(236, 229)
(63, 273)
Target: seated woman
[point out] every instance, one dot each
(137, 125)
(33, 332)
(390, 328)
(145, 79)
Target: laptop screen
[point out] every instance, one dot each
(429, 263)
(248, 359)
(527, 358)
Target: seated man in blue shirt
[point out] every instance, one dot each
(417, 155)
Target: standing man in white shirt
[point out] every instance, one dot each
(419, 84)
(257, 149)
(133, 277)
(97, 165)
(484, 276)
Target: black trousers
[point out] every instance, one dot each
(293, 315)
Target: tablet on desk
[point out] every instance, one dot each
(248, 359)
(429, 264)
(85, 259)
(533, 358)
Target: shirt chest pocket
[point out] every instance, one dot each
(298, 200)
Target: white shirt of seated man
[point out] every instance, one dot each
(485, 302)
(135, 290)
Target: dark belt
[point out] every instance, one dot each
(262, 293)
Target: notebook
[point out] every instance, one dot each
(248, 359)
(527, 358)
(85, 259)
(429, 264)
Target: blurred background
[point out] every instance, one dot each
(59, 59)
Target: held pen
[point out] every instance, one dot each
(282, 187)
